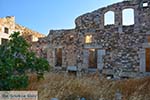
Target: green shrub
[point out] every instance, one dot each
(15, 60)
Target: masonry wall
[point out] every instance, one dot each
(67, 40)
(28, 34)
(40, 47)
(95, 19)
(9, 23)
(119, 46)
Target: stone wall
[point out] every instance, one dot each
(9, 23)
(40, 47)
(119, 48)
(95, 19)
(28, 34)
(67, 41)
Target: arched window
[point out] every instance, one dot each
(109, 18)
(128, 16)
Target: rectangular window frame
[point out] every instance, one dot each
(88, 39)
(145, 4)
(6, 30)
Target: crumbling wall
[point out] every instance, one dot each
(28, 34)
(9, 23)
(122, 44)
(67, 40)
(95, 19)
(40, 47)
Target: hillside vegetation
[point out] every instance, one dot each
(91, 87)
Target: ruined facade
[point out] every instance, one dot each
(112, 48)
(8, 26)
(96, 46)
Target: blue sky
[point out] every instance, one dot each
(43, 15)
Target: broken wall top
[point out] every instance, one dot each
(95, 19)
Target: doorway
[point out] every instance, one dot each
(4, 41)
(58, 57)
(93, 58)
(147, 59)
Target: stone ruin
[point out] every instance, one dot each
(113, 49)
(8, 26)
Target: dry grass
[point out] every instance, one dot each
(90, 87)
